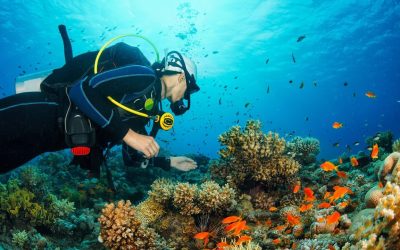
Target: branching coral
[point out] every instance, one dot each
(386, 223)
(120, 229)
(251, 155)
(304, 150)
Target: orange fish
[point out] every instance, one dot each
(333, 218)
(288, 231)
(337, 125)
(296, 188)
(380, 185)
(242, 239)
(353, 161)
(328, 166)
(309, 194)
(268, 222)
(327, 195)
(231, 219)
(343, 204)
(202, 236)
(280, 228)
(222, 244)
(370, 94)
(375, 151)
(331, 247)
(276, 241)
(293, 220)
(341, 174)
(340, 192)
(272, 209)
(305, 207)
(321, 220)
(340, 160)
(241, 226)
(324, 205)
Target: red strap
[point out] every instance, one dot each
(80, 151)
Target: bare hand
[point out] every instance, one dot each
(183, 163)
(142, 143)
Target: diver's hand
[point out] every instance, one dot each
(183, 163)
(142, 143)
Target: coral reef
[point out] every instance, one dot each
(120, 229)
(251, 156)
(396, 146)
(373, 196)
(303, 150)
(388, 165)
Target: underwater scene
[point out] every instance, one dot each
(193, 125)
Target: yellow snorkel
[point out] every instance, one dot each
(166, 120)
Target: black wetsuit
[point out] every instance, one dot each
(32, 123)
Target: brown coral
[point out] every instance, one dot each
(213, 198)
(184, 199)
(120, 229)
(251, 155)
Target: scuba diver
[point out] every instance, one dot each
(95, 101)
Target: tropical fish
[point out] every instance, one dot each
(353, 161)
(294, 59)
(333, 218)
(337, 125)
(328, 166)
(340, 192)
(308, 194)
(324, 205)
(340, 160)
(336, 144)
(273, 209)
(202, 236)
(380, 184)
(375, 151)
(293, 220)
(266, 62)
(305, 207)
(231, 219)
(280, 227)
(222, 244)
(343, 204)
(300, 38)
(356, 143)
(341, 174)
(302, 85)
(370, 94)
(345, 84)
(327, 195)
(296, 188)
(276, 241)
(242, 239)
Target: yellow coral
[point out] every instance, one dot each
(120, 229)
(161, 190)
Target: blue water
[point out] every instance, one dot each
(345, 41)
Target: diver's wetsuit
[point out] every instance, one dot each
(30, 124)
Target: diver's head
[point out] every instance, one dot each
(178, 78)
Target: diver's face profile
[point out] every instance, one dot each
(178, 88)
